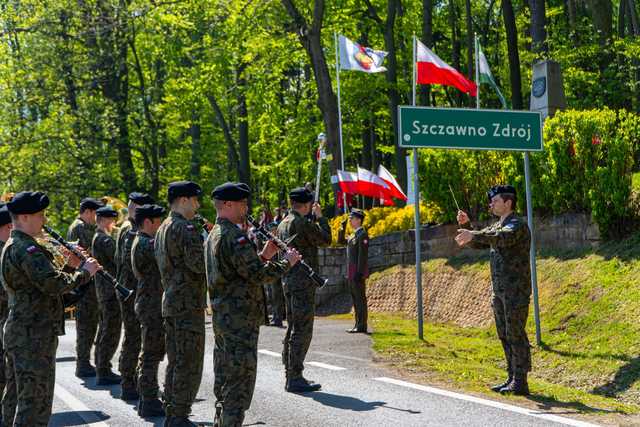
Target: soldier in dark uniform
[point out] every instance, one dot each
(148, 308)
(179, 252)
(103, 249)
(36, 315)
(235, 274)
(82, 230)
(130, 350)
(358, 266)
(509, 240)
(5, 232)
(311, 232)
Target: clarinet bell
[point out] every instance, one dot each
(125, 293)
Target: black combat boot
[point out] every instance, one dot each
(150, 408)
(167, 421)
(107, 377)
(182, 422)
(129, 393)
(499, 387)
(301, 385)
(518, 386)
(217, 420)
(85, 370)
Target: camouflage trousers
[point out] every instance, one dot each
(300, 317)
(235, 363)
(109, 326)
(153, 349)
(31, 376)
(131, 344)
(275, 296)
(358, 290)
(185, 336)
(511, 323)
(4, 313)
(86, 325)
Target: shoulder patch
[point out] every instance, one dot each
(151, 241)
(365, 241)
(190, 227)
(33, 249)
(242, 240)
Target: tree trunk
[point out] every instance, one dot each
(538, 31)
(195, 133)
(244, 170)
(455, 45)
(232, 154)
(427, 39)
(514, 57)
(470, 48)
(602, 17)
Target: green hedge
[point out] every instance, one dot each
(586, 166)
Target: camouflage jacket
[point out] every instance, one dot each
(4, 298)
(235, 275)
(509, 241)
(309, 236)
(180, 255)
(357, 252)
(35, 287)
(103, 250)
(148, 303)
(81, 232)
(124, 241)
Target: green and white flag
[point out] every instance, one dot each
(486, 76)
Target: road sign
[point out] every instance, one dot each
(470, 129)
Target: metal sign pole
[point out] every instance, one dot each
(532, 250)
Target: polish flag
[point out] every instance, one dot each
(348, 182)
(386, 176)
(371, 185)
(433, 70)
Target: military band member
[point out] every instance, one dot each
(36, 315)
(357, 267)
(130, 349)
(103, 250)
(235, 275)
(148, 309)
(179, 252)
(310, 232)
(509, 240)
(82, 230)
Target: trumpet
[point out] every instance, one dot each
(265, 235)
(125, 293)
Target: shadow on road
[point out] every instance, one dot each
(351, 403)
(73, 418)
(550, 405)
(65, 359)
(114, 389)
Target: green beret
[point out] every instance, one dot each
(301, 195)
(500, 189)
(106, 212)
(148, 211)
(231, 191)
(28, 202)
(183, 189)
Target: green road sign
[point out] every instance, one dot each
(469, 129)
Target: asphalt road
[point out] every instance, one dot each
(355, 392)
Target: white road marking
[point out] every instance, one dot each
(341, 356)
(326, 366)
(269, 353)
(78, 407)
(485, 402)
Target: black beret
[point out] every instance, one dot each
(28, 202)
(141, 198)
(5, 218)
(148, 211)
(107, 212)
(231, 191)
(500, 189)
(301, 195)
(90, 203)
(183, 189)
(358, 213)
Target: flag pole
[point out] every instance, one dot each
(477, 70)
(416, 207)
(344, 195)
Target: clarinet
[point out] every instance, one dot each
(265, 235)
(124, 292)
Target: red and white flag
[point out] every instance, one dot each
(396, 190)
(371, 185)
(348, 182)
(433, 70)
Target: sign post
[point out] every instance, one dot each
(468, 129)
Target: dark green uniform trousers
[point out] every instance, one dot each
(87, 316)
(153, 350)
(131, 344)
(300, 317)
(511, 323)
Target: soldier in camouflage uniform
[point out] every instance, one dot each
(180, 255)
(148, 308)
(36, 315)
(357, 267)
(130, 350)
(235, 275)
(82, 230)
(299, 291)
(509, 240)
(103, 249)
(5, 232)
